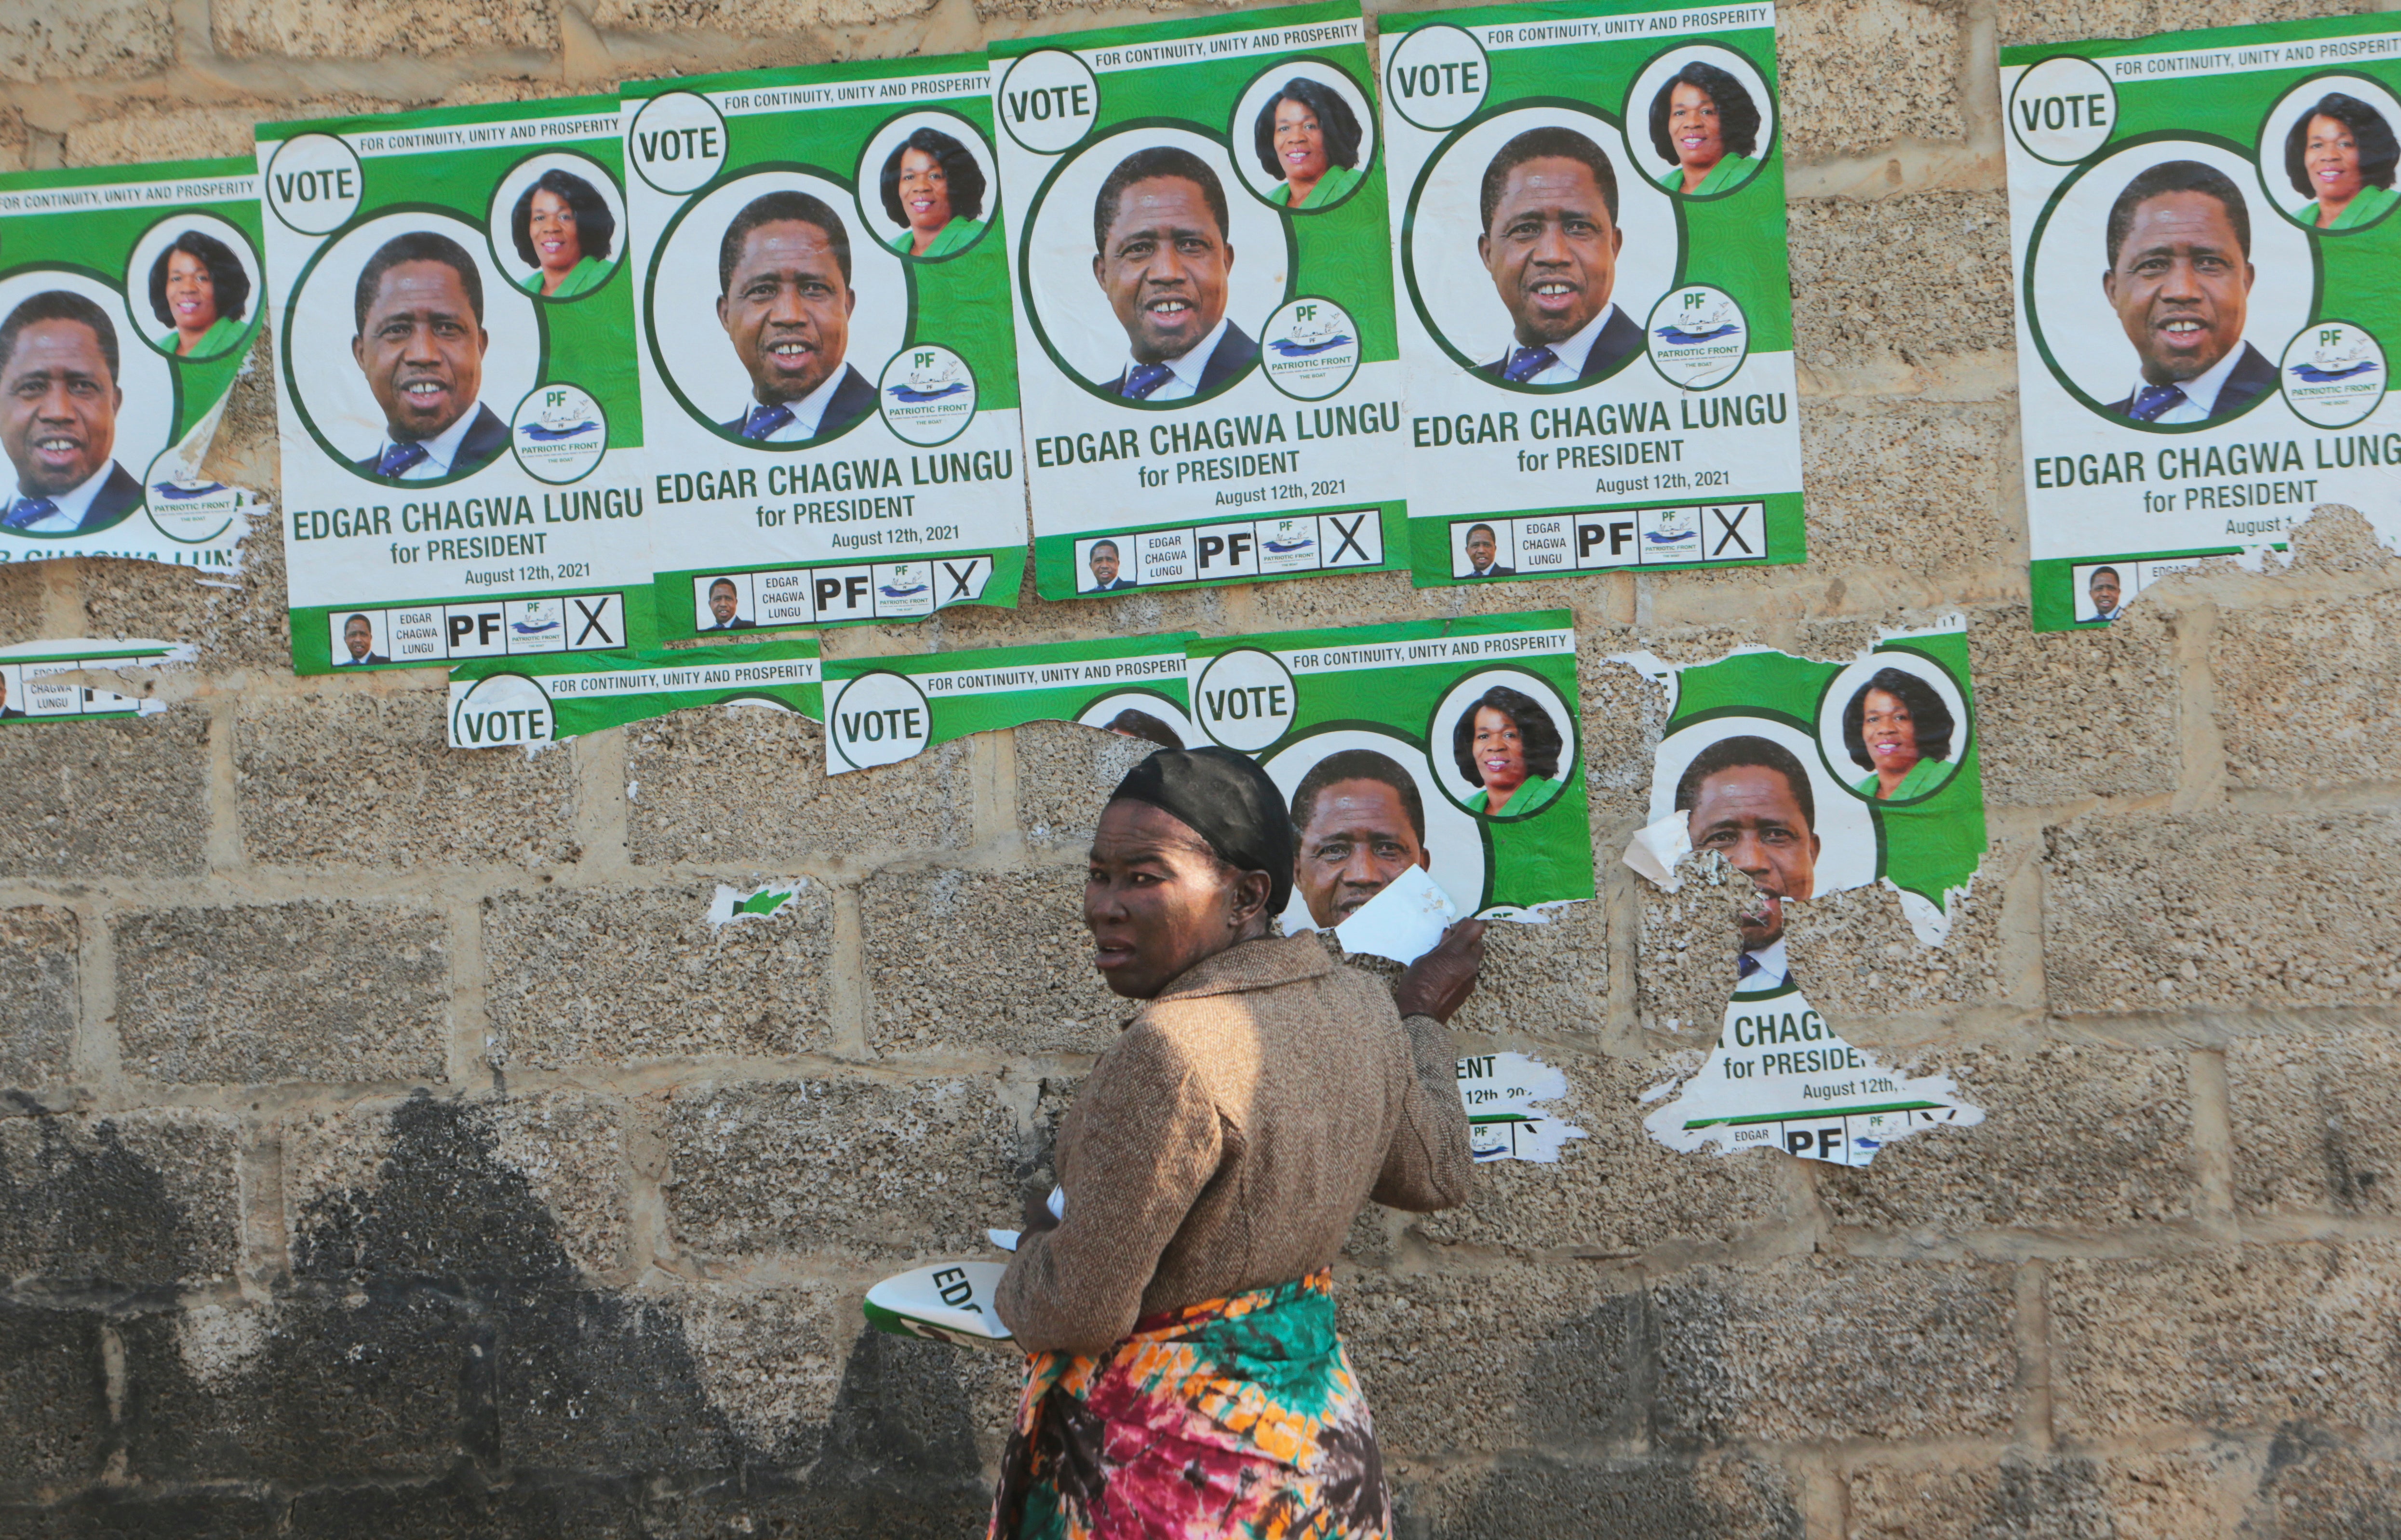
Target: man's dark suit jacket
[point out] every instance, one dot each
(853, 399)
(736, 624)
(487, 436)
(1619, 341)
(1496, 569)
(361, 662)
(116, 502)
(2253, 377)
(1112, 587)
(1235, 353)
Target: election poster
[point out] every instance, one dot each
(130, 296)
(528, 703)
(1448, 748)
(1204, 318)
(826, 356)
(884, 710)
(44, 681)
(461, 435)
(1595, 312)
(2202, 230)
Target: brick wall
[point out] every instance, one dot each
(394, 1151)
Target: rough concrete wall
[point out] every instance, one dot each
(392, 1151)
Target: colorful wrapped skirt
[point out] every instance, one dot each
(1237, 1417)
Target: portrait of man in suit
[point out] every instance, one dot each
(1103, 560)
(1358, 821)
(723, 600)
(1550, 239)
(358, 640)
(58, 375)
(784, 296)
(1161, 255)
(1484, 552)
(1750, 801)
(2179, 278)
(420, 343)
(2104, 587)
(6, 710)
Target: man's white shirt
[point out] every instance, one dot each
(1567, 366)
(73, 504)
(1771, 971)
(1183, 374)
(2199, 392)
(440, 450)
(807, 412)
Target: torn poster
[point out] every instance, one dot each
(884, 710)
(1454, 745)
(41, 681)
(947, 1302)
(1782, 1079)
(1500, 1092)
(728, 905)
(528, 701)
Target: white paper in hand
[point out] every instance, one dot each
(1402, 922)
(947, 1302)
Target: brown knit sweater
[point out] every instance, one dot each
(1227, 1140)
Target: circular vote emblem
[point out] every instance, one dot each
(1437, 77)
(1244, 700)
(879, 719)
(1048, 100)
(501, 712)
(313, 184)
(2062, 109)
(678, 141)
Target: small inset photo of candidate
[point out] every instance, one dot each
(1502, 744)
(1365, 809)
(358, 638)
(2153, 271)
(1699, 120)
(770, 302)
(1484, 549)
(2327, 153)
(1142, 272)
(2104, 589)
(927, 186)
(1142, 716)
(1534, 246)
(81, 409)
(1311, 133)
(1894, 726)
(12, 692)
(410, 347)
(1102, 567)
(723, 603)
(198, 276)
(557, 224)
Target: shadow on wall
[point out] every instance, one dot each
(435, 1366)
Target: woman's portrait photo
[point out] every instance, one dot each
(933, 187)
(1307, 138)
(1898, 730)
(1509, 747)
(557, 225)
(202, 279)
(1699, 121)
(2339, 154)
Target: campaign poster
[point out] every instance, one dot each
(41, 681)
(884, 710)
(1449, 747)
(825, 344)
(1204, 319)
(2202, 224)
(526, 703)
(1596, 307)
(462, 433)
(130, 296)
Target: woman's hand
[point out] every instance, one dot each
(1440, 981)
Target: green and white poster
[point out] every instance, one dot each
(1451, 746)
(1204, 319)
(825, 344)
(43, 681)
(462, 433)
(2205, 255)
(129, 299)
(1595, 308)
(517, 703)
(884, 710)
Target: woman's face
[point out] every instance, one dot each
(925, 190)
(1156, 899)
(1499, 750)
(2332, 161)
(1299, 142)
(551, 223)
(1888, 732)
(1693, 126)
(191, 293)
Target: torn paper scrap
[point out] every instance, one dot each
(43, 681)
(1404, 922)
(1782, 1079)
(535, 701)
(730, 904)
(1657, 849)
(948, 1302)
(1501, 1092)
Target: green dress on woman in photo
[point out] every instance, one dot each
(584, 276)
(1923, 777)
(2365, 209)
(1534, 793)
(223, 333)
(1331, 188)
(1728, 174)
(956, 236)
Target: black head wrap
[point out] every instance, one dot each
(1225, 799)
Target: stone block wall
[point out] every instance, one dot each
(388, 1146)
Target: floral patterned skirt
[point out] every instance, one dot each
(1237, 1417)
